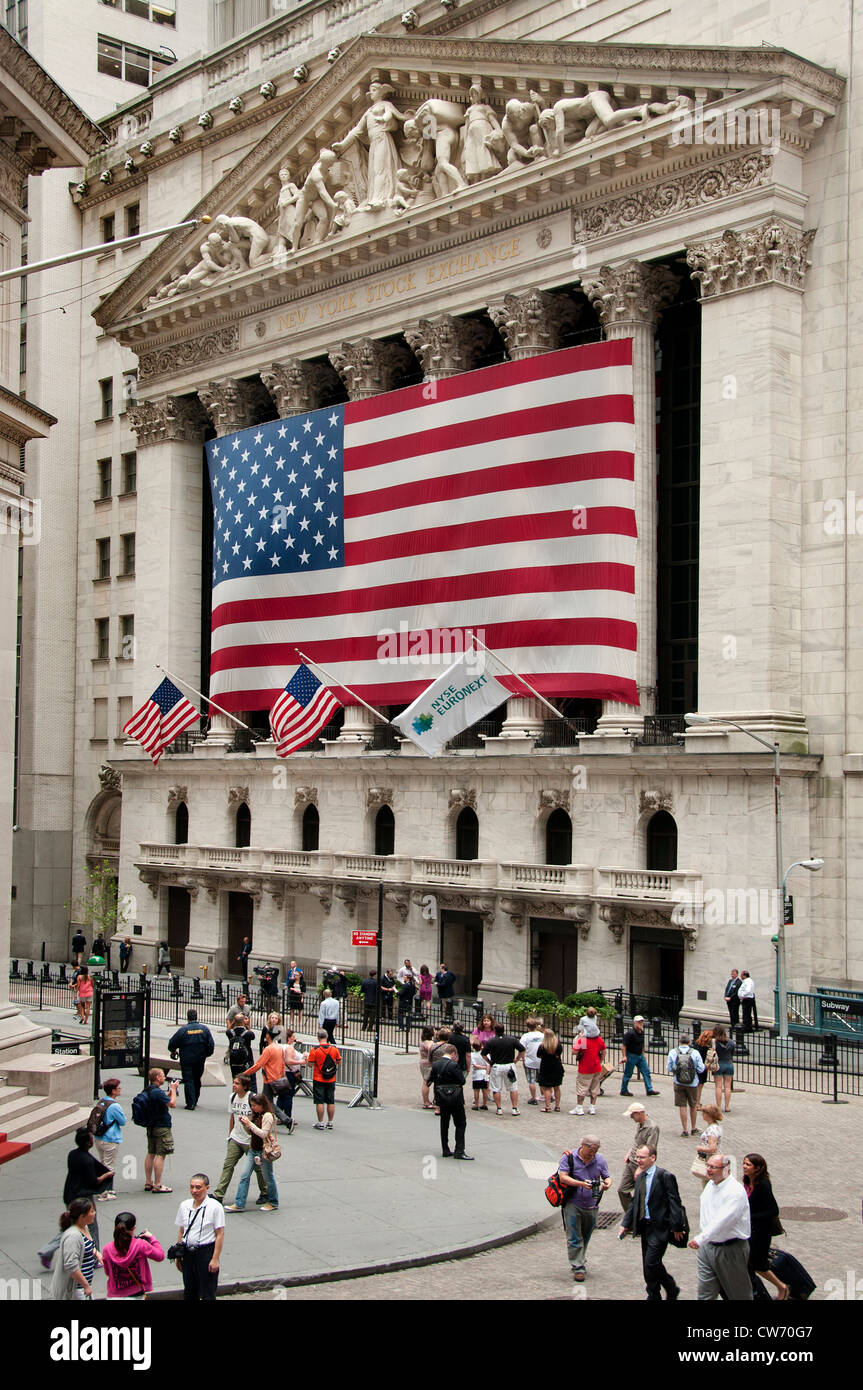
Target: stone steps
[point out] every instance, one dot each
(35, 1120)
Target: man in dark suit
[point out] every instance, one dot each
(732, 990)
(655, 1211)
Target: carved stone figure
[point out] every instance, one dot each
(521, 131)
(439, 124)
(248, 243)
(376, 127)
(216, 260)
(316, 204)
(288, 196)
(484, 144)
(578, 118)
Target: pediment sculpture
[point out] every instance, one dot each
(392, 160)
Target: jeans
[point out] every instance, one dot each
(235, 1153)
(579, 1225)
(638, 1064)
(283, 1104)
(245, 1179)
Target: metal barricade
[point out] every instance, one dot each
(355, 1073)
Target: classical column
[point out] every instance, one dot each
(629, 299)
(368, 368)
(505, 947)
(533, 322)
(233, 404)
(168, 540)
(297, 387)
(445, 345)
(524, 718)
(749, 648)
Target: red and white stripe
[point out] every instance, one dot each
(154, 731)
(294, 725)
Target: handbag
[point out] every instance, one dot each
(711, 1061)
(776, 1227)
(271, 1150)
(699, 1167)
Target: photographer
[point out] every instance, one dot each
(586, 1173)
(160, 1140)
(201, 1223)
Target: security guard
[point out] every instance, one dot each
(194, 1043)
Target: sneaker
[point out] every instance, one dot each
(234, 1207)
(292, 1124)
(579, 1110)
(578, 1276)
(533, 1102)
(268, 1206)
(498, 1111)
(329, 1126)
(261, 1201)
(318, 1125)
(516, 1112)
(591, 1110)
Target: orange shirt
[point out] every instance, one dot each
(316, 1056)
(272, 1060)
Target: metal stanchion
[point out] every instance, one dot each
(831, 1050)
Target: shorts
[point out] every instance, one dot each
(725, 1069)
(324, 1092)
(685, 1095)
(480, 1085)
(532, 1075)
(160, 1142)
(500, 1077)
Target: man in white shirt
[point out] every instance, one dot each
(201, 1223)
(407, 972)
(746, 995)
(530, 1041)
(723, 1241)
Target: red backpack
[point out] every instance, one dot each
(555, 1191)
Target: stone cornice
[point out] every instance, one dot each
(23, 68)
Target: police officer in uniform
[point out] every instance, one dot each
(194, 1044)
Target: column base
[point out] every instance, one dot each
(20, 1035)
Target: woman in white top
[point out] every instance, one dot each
(711, 1138)
(261, 1126)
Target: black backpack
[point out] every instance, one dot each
(96, 1119)
(239, 1052)
(142, 1109)
(328, 1067)
(684, 1069)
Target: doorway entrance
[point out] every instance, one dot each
(461, 948)
(179, 911)
(240, 913)
(554, 956)
(656, 964)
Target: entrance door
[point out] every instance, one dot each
(656, 966)
(240, 913)
(179, 909)
(461, 948)
(555, 957)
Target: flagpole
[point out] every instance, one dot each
(239, 723)
(556, 712)
(340, 685)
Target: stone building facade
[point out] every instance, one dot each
(678, 184)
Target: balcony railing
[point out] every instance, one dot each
(662, 730)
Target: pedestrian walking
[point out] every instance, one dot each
(324, 1061)
(703, 1045)
(369, 990)
(201, 1231)
(502, 1052)
(296, 991)
(108, 1134)
(79, 946)
(530, 1040)
(407, 994)
(585, 1174)
(239, 1104)
(685, 1065)
(461, 1042)
(448, 1079)
(550, 1058)
(479, 1070)
(723, 1077)
(163, 960)
(646, 1136)
(263, 1149)
(654, 1214)
(732, 998)
(328, 1014)
(81, 986)
(723, 1241)
(239, 1055)
(709, 1143)
(240, 1009)
(79, 1254)
(764, 1223)
(193, 1044)
(634, 1059)
(426, 1041)
(272, 1063)
(271, 1031)
(445, 981)
(406, 971)
(589, 1053)
(126, 1259)
(283, 1099)
(125, 952)
(426, 985)
(747, 1002)
(160, 1141)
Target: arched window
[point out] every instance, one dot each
(311, 828)
(181, 824)
(244, 827)
(467, 835)
(662, 842)
(558, 838)
(385, 831)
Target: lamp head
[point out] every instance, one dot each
(690, 719)
(812, 864)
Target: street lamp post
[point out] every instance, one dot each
(811, 864)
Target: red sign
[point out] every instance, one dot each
(364, 938)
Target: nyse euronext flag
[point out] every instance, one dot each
(459, 699)
(499, 501)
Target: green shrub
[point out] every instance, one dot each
(528, 1001)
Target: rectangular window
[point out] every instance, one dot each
(128, 553)
(130, 472)
(108, 227)
(103, 638)
(133, 219)
(163, 14)
(100, 719)
(109, 57)
(129, 62)
(130, 389)
(127, 637)
(137, 65)
(104, 466)
(22, 349)
(124, 713)
(139, 7)
(103, 559)
(106, 395)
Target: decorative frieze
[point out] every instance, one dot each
(369, 368)
(191, 352)
(379, 796)
(533, 322)
(232, 404)
(238, 795)
(447, 345)
(177, 796)
(305, 796)
(297, 386)
(631, 293)
(774, 253)
(554, 800)
(171, 418)
(460, 797)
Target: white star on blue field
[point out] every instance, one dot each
(278, 497)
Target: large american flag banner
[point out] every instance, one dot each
(371, 536)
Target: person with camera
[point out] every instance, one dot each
(200, 1235)
(160, 1140)
(585, 1172)
(653, 1214)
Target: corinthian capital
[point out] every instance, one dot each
(232, 404)
(368, 368)
(533, 322)
(446, 345)
(298, 386)
(172, 417)
(774, 253)
(631, 293)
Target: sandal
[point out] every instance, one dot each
(148, 1187)
(163, 1189)
(557, 1110)
(546, 1111)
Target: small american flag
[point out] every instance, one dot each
(301, 711)
(158, 722)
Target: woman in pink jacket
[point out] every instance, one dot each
(127, 1259)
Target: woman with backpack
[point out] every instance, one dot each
(108, 1131)
(260, 1125)
(126, 1259)
(324, 1059)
